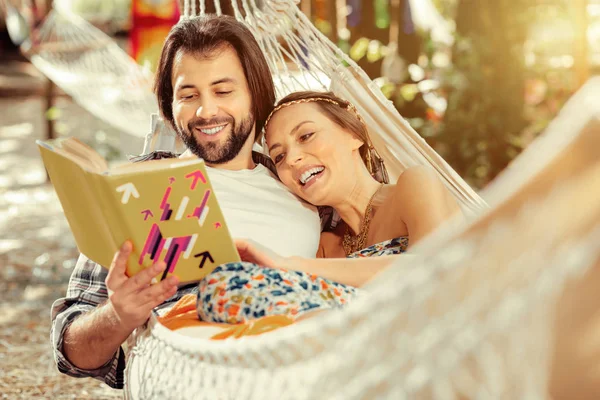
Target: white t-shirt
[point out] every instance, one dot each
(257, 206)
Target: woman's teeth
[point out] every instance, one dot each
(212, 131)
(310, 174)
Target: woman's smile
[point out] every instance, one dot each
(311, 177)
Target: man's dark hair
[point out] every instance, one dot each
(201, 37)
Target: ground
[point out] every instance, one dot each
(37, 251)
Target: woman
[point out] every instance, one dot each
(322, 152)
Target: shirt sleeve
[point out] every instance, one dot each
(85, 292)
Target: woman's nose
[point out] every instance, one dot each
(294, 157)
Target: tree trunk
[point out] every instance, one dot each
(486, 101)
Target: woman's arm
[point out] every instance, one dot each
(349, 271)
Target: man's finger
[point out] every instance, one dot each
(117, 272)
(121, 256)
(144, 277)
(156, 294)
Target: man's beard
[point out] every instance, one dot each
(217, 152)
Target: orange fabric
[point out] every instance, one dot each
(183, 315)
(254, 327)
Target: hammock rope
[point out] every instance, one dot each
(445, 328)
(90, 67)
(469, 317)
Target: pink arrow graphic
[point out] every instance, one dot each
(217, 225)
(196, 175)
(147, 213)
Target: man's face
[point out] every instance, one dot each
(212, 105)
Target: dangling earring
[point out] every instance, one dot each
(376, 166)
(369, 161)
(380, 168)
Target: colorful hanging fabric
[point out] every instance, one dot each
(151, 22)
(355, 15)
(407, 22)
(155, 11)
(382, 13)
(321, 10)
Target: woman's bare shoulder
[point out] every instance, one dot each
(419, 178)
(421, 184)
(420, 193)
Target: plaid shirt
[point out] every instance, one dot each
(85, 292)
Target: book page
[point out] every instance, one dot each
(81, 201)
(78, 152)
(152, 165)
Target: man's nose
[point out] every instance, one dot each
(207, 109)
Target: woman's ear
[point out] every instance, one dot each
(356, 143)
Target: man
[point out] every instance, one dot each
(215, 89)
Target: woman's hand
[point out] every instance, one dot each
(253, 252)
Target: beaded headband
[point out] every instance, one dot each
(349, 106)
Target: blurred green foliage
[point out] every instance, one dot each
(477, 103)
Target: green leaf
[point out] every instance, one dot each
(359, 49)
(53, 113)
(382, 14)
(409, 92)
(374, 51)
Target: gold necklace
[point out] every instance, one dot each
(353, 243)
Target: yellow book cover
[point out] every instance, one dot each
(167, 208)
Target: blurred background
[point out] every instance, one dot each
(477, 79)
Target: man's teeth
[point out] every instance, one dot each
(308, 175)
(212, 131)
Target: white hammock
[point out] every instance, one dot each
(91, 68)
(469, 318)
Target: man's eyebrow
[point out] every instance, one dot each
(217, 82)
(185, 86)
(293, 131)
(223, 80)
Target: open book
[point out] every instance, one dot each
(167, 208)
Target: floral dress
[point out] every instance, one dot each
(237, 292)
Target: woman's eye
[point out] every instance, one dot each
(223, 93)
(187, 97)
(278, 158)
(306, 136)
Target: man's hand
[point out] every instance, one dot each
(133, 298)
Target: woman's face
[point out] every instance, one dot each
(315, 158)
